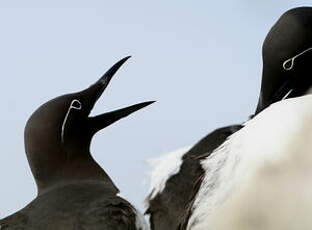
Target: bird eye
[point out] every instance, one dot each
(75, 104)
(289, 63)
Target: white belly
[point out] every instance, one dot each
(260, 171)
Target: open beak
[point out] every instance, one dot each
(93, 93)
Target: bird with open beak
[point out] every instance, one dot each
(74, 192)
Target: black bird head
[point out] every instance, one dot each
(287, 58)
(59, 133)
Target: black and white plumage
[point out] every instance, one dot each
(260, 178)
(257, 152)
(74, 192)
(172, 181)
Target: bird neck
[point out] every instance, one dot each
(75, 169)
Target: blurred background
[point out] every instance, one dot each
(201, 60)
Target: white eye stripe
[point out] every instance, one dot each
(73, 105)
(289, 63)
(287, 94)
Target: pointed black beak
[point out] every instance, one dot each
(283, 92)
(93, 93)
(102, 121)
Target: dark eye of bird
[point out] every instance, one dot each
(76, 104)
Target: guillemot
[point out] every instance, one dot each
(286, 79)
(74, 192)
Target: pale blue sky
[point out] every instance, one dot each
(200, 60)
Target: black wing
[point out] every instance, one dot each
(171, 207)
(220, 136)
(111, 214)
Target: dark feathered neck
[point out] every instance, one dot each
(75, 170)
